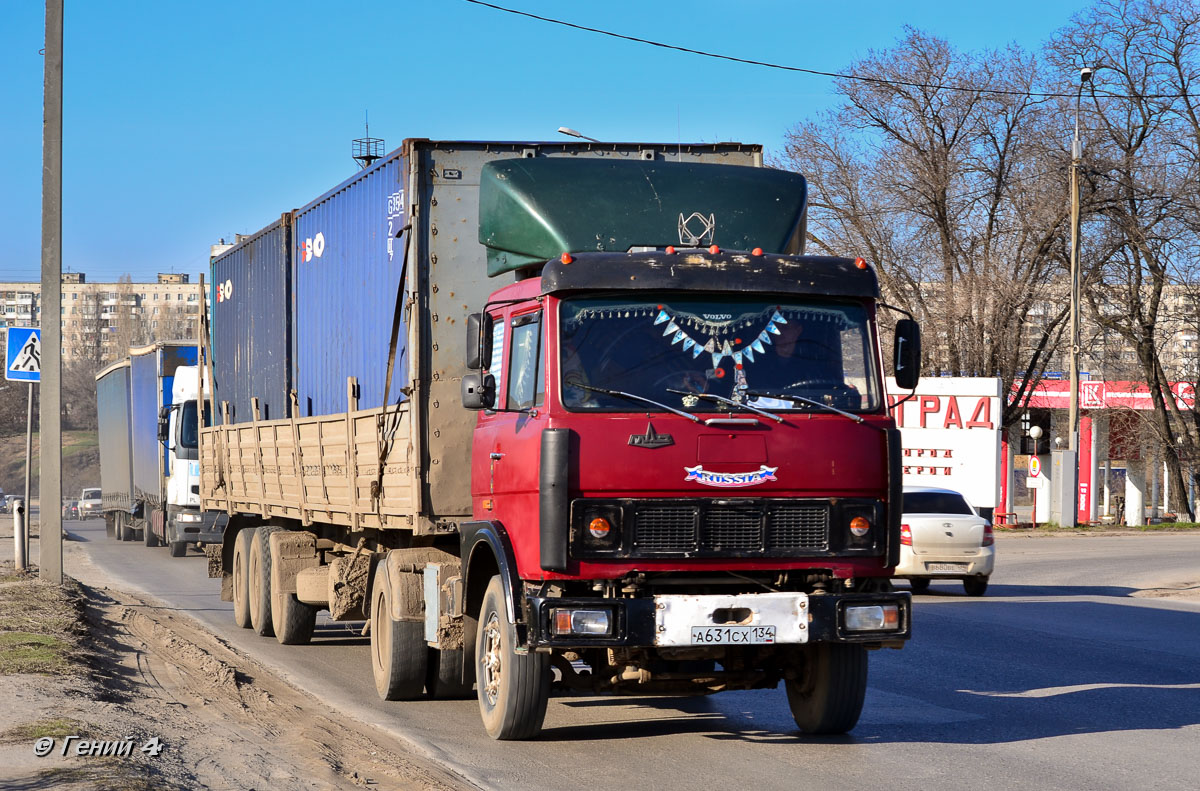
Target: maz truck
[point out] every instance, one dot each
(568, 415)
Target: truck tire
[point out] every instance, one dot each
(919, 584)
(827, 697)
(259, 575)
(444, 679)
(294, 621)
(126, 528)
(399, 654)
(148, 536)
(513, 688)
(241, 577)
(975, 586)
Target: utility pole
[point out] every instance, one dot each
(50, 437)
(1085, 74)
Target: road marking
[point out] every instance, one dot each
(1050, 692)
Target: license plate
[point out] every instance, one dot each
(946, 566)
(733, 635)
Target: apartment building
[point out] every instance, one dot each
(100, 321)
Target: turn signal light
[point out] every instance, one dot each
(599, 527)
(905, 536)
(859, 526)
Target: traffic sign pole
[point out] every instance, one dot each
(24, 537)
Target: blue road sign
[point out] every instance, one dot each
(23, 362)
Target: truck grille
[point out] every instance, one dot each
(725, 528)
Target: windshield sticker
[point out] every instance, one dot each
(729, 480)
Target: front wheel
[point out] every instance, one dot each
(513, 688)
(975, 586)
(919, 584)
(827, 696)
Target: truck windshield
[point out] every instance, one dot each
(820, 350)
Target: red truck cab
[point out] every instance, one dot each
(686, 458)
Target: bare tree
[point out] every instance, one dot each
(957, 196)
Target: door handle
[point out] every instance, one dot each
(494, 456)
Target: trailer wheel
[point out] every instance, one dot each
(399, 654)
(513, 688)
(445, 674)
(126, 528)
(260, 581)
(241, 577)
(148, 536)
(827, 696)
(294, 621)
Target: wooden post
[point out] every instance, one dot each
(258, 462)
(351, 451)
(298, 462)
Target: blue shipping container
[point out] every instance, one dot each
(251, 334)
(346, 267)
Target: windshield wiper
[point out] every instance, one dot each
(635, 397)
(802, 400)
(730, 401)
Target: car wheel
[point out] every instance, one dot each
(975, 586)
(919, 584)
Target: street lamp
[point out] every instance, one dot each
(1085, 76)
(569, 132)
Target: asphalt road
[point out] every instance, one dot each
(1058, 678)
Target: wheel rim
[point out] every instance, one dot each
(492, 650)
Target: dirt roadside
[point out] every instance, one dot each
(121, 668)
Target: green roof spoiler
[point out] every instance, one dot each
(532, 210)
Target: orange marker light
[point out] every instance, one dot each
(714, 250)
(859, 526)
(861, 263)
(756, 251)
(599, 527)
(670, 249)
(566, 258)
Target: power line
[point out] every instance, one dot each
(814, 72)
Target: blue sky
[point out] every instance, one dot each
(186, 122)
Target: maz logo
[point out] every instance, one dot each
(697, 230)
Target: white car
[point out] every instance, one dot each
(942, 536)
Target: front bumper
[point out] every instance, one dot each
(196, 526)
(673, 620)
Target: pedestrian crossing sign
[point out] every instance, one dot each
(23, 362)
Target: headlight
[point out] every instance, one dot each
(872, 618)
(189, 518)
(596, 527)
(568, 621)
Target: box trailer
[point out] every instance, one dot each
(116, 452)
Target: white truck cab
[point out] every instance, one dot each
(186, 523)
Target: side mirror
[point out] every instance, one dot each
(478, 391)
(907, 354)
(479, 341)
(164, 423)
